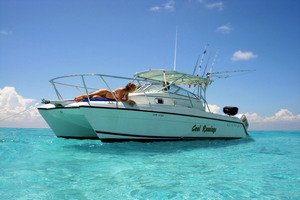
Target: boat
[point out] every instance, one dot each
(170, 106)
(66, 120)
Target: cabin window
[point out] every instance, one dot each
(159, 101)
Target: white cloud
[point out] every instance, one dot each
(155, 8)
(280, 116)
(214, 108)
(170, 6)
(5, 32)
(254, 117)
(224, 29)
(239, 55)
(282, 120)
(15, 111)
(216, 5)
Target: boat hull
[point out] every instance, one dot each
(123, 124)
(68, 122)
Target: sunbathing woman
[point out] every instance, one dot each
(120, 93)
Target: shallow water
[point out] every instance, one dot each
(36, 165)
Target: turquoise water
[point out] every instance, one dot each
(35, 164)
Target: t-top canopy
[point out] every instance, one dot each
(178, 78)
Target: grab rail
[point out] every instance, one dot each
(54, 82)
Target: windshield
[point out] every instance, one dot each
(161, 88)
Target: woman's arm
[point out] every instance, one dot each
(123, 96)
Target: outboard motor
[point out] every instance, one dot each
(231, 111)
(245, 121)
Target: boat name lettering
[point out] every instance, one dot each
(209, 129)
(205, 129)
(233, 125)
(196, 128)
(158, 115)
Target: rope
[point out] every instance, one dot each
(20, 112)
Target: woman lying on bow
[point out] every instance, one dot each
(120, 93)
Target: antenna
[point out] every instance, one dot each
(196, 65)
(248, 70)
(175, 49)
(213, 62)
(206, 65)
(204, 52)
(220, 74)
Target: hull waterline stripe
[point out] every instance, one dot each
(159, 137)
(58, 108)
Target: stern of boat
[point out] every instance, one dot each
(245, 121)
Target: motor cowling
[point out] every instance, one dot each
(244, 119)
(230, 110)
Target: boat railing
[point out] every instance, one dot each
(56, 81)
(143, 89)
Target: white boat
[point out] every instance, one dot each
(170, 105)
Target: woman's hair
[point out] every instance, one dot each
(130, 85)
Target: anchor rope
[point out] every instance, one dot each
(31, 107)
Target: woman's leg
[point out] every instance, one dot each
(80, 98)
(98, 94)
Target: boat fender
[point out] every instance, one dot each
(231, 111)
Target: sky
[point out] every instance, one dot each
(41, 40)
